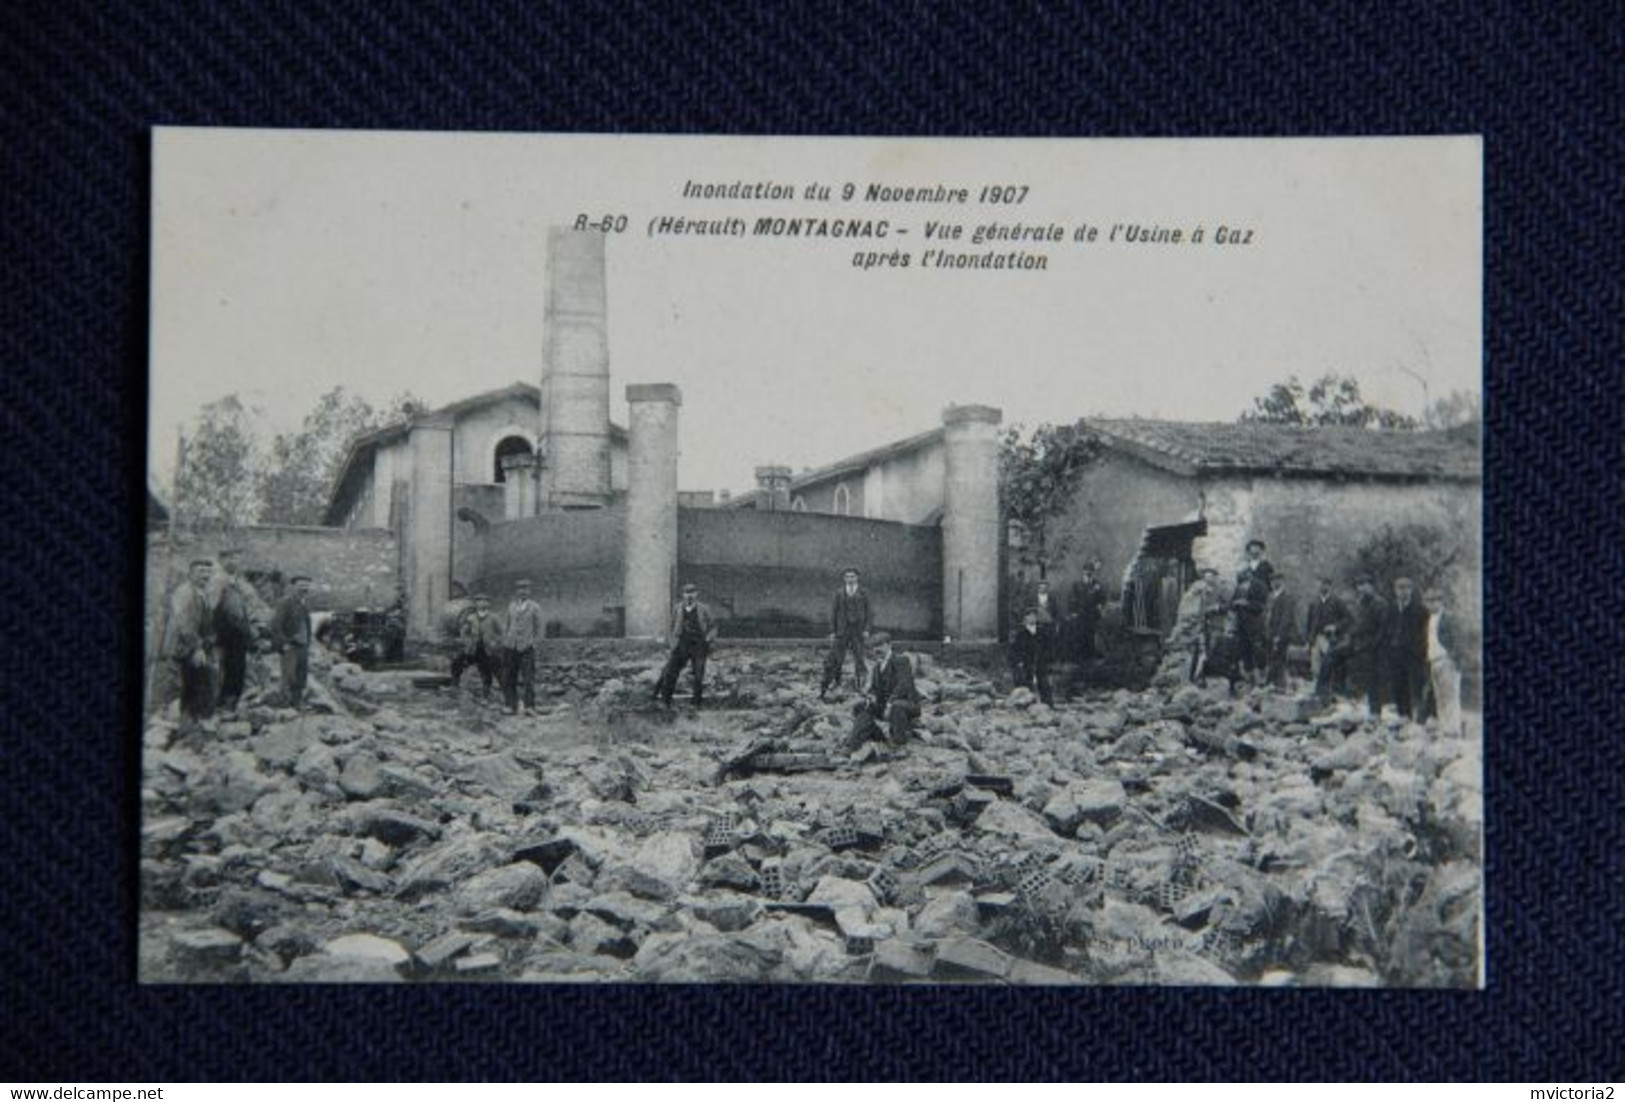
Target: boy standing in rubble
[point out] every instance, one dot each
(1028, 667)
(848, 631)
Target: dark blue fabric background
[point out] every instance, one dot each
(82, 82)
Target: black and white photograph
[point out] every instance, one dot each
(634, 559)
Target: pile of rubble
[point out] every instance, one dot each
(1183, 837)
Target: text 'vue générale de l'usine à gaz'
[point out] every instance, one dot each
(932, 227)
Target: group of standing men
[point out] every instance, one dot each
(1401, 653)
(1047, 630)
(209, 633)
(503, 646)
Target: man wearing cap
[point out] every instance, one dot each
(848, 631)
(481, 639)
(1327, 624)
(1407, 649)
(1088, 598)
(1280, 628)
(522, 630)
(1028, 667)
(692, 632)
(892, 694)
(189, 646)
(1368, 628)
(290, 636)
(1251, 594)
(233, 628)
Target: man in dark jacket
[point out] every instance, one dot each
(1028, 667)
(1327, 627)
(233, 628)
(848, 631)
(692, 632)
(290, 635)
(1248, 599)
(1280, 628)
(892, 694)
(1368, 630)
(1407, 649)
(1050, 618)
(1088, 598)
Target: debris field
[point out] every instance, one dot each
(410, 832)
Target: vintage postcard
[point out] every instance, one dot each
(644, 559)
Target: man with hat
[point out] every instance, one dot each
(892, 694)
(1327, 625)
(1407, 649)
(1088, 598)
(1029, 669)
(1368, 628)
(1280, 629)
(233, 628)
(189, 646)
(1251, 594)
(522, 630)
(480, 637)
(693, 630)
(290, 636)
(848, 631)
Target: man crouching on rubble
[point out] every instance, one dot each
(892, 695)
(692, 632)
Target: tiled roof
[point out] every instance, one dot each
(1220, 447)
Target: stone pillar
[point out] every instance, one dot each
(773, 488)
(970, 523)
(651, 508)
(519, 486)
(429, 523)
(575, 373)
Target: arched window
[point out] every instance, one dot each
(507, 446)
(798, 504)
(843, 501)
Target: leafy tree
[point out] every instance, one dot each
(1427, 554)
(216, 481)
(302, 465)
(1330, 400)
(1459, 411)
(1038, 474)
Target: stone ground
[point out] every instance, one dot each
(1169, 836)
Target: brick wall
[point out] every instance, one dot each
(348, 567)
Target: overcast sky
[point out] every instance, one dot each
(286, 262)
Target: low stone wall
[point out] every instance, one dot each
(775, 574)
(763, 574)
